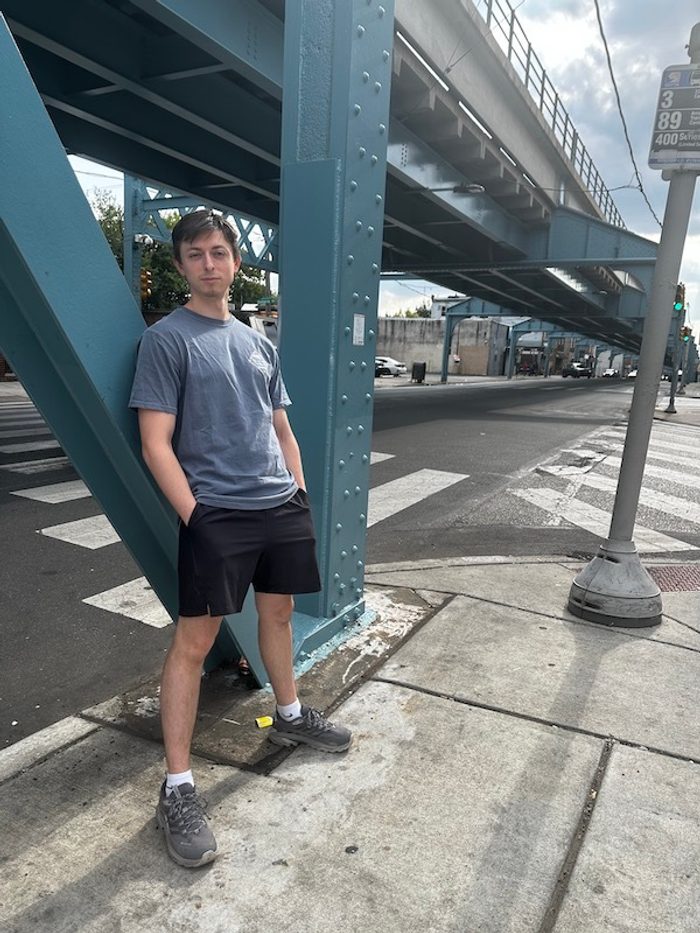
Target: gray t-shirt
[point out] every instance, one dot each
(222, 380)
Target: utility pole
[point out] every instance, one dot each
(614, 588)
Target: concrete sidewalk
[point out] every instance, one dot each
(513, 769)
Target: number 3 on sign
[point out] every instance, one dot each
(669, 120)
(666, 100)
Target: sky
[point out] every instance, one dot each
(644, 37)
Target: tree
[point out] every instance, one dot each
(168, 288)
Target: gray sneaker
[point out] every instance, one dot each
(311, 728)
(188, 836)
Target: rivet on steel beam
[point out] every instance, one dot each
(360, 31)
(386, 55)
(366, 299)
(355, 296)
(368, 397)
(343, 399)
(370, 333)
(360, 564)
(351, 365)
(360, 428)
(336, 577)
(365, 76)
(357, 110)
(377, 86)
(335, 607)
(362, 151)
(370, 230)
(346, 331)
(346, 494)
(363, 366)
(351, 259)
(382, 129)
(341, 587)
(354, 549)
(381, 11)
(341, 464)
(362, 517)
(348, 430)
(358, 591)
(374, 159)
(353, 185)
(378, 199)
(351, 455)
(343, 554)
(353, 580)
(365, 458)
(339, 527)
(375, 268)
(358, 490)
(358, 225)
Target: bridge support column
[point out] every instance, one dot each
(337, 71)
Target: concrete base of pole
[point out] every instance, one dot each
(614, 589)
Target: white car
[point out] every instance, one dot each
(387, 366)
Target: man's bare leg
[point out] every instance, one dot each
(275, 641)
(179, 686)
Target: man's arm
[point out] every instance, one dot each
(157, 428)
(288, 443)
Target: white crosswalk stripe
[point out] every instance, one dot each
(92, 533)
(400, 494)
(56, 492)
(135, 600)
(651, 498)
(595, 520)
(377, 457)
(24, 432)
(29, 448)
(651, 470)
(37, 466)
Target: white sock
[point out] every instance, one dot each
(289, 712)
(173, 780)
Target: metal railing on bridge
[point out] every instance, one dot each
(510, 36)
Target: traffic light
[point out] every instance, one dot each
(686, 333)
(679, 303)
(146, 285)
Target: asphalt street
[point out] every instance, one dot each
(61, 654)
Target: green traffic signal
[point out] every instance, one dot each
(678, 306)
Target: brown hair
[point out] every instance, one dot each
(196, 223)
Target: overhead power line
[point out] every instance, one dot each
(622, 116)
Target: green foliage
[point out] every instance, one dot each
(169, 289)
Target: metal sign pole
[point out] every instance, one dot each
(614, 588)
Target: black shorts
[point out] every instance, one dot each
(222, 551)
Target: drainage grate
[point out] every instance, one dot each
(676, 577)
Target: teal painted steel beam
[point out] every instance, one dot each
(70, 328)
(240, 34)
(337, 61)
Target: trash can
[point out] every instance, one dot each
(418, 372)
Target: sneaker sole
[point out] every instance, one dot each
(279, 738)
(204, 859)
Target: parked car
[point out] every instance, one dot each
(632, 374)
(387, 366)
(611, 373)
(666, 377)
(577, 370)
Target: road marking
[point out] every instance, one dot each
(135, 600)
(28, 448)
(27, 751)
(661, 501)
(399, 494)
(595, 520)
(671, 476)
(37, 466)
(665, 445)
(377, 458)
(56, 492)
(24, 432)
(92, 533)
